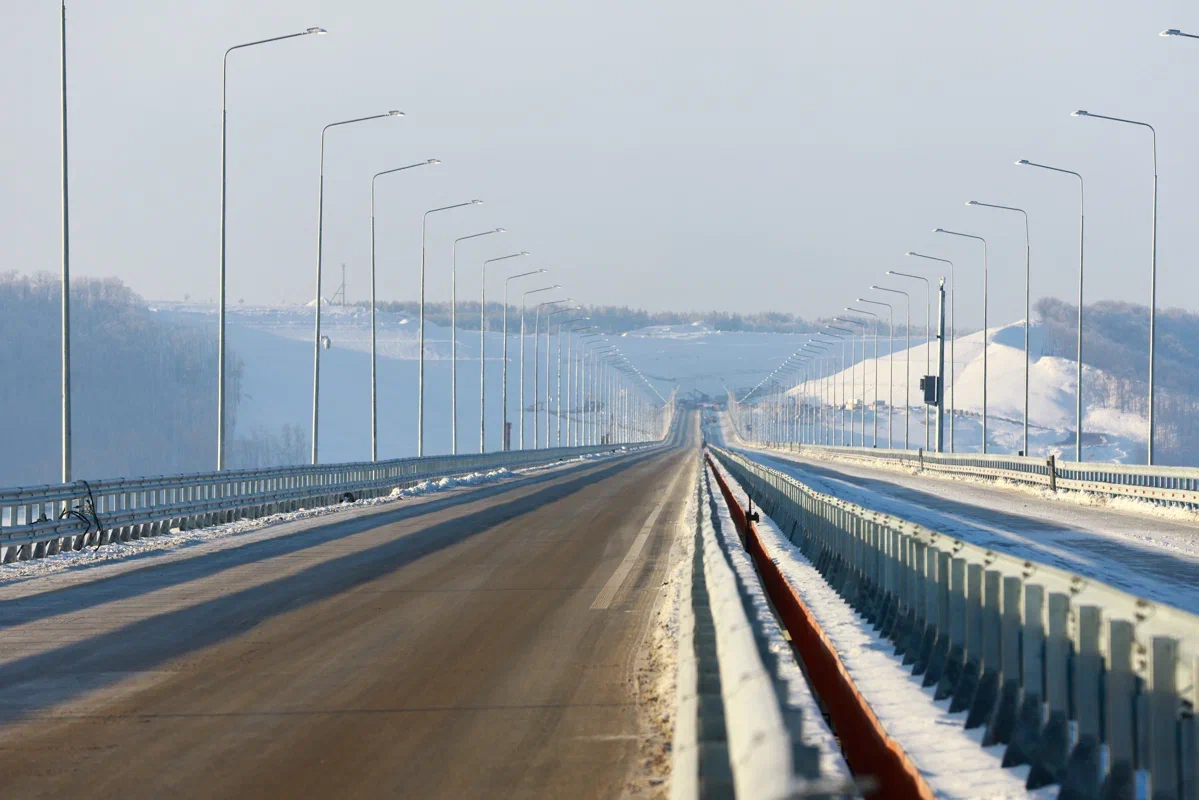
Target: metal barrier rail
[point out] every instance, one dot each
(1084, 682)
(1169, 485)
(37, 521)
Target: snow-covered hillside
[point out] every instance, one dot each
(1108, 434)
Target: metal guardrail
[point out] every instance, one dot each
(1084, 682)
(38, 521)
(1167, 485)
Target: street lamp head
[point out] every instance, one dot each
(908, 253)
(1023, 161)
(1171, 32)
(433, 161)
(501, 230)
(971, 202)
(476, 202)
(394, 113)
(1079, 113)
(890, 272)
(317, 31)
(543, 269)
(938, 230)
(877, 287)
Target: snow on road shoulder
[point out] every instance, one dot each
(179, 543)
(950, 758)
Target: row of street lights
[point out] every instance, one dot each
(1078, 432)
(630, 428)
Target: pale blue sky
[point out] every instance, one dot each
(670, 155)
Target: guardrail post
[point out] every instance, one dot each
(1004, 720)
(1163, 721)
(967, 686)
(1049, 766)
(986, 698)
(956, 657)
(1051, 464)
(1025, 737)
(940, 651)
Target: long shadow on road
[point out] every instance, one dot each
(146, 643)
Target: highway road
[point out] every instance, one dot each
(484, 645)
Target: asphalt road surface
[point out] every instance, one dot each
(480, 646)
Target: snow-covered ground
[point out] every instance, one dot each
(1144, 554)
(950, 758)
(1108, 434)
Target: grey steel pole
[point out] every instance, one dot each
(220, 368)
(1027, 306)
(986, 329)
(454, 335)
(928, 364)
(66, 274)
(890, 365)
(507, 445)
(953, 334)
(569, 331)
(844, 394)
(483, 344)
(523, 301)
(1152, 272)
(941, 366)
(876, 321)
(907, 360)
(320, 240)
(574, 432)
(853, 386)
(374, 405)
(536, 358)
(1078, 355)
(420, 356)
(548, 322)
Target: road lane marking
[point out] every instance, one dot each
(604, 599)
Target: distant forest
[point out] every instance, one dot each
(1116, 340)
(619, 319)
(143, 390)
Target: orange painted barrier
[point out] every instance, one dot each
(868, 748)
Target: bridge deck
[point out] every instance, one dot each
(470, 646)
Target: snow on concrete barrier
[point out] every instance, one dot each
(739, 727)
(1092, 687)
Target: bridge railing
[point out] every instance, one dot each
(36, 521)
(1068, 672)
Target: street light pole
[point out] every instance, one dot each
(845, 440)
(907, 363)
(928, 365)
(420, 370)
(875, 409)
(220, 368)
(523, 301)
(66, 279)
(986, 329)
(548, 322)
(536, 360)
(1152, 264)
(952, 337)
(863, 425)
(569, 377)
(454, 335)
(483, 346)
(1027, 309)
(320, 240)
(374, 406)
(1078, 355)
(890, 364)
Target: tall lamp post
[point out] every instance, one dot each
(986, 328)
(875, 411)
(927, 344)
(569, 331)
(536, 360)
(953, 335)
(890, 363)
(320, 240)
(374, 405)
(1078, 356)
(1027, 300)
(523, 302)
(848, 321)
(220, 368)
(1152, 262)
(483, 343)
(548, 322)
(420, 370)
(907, 363)
(454, 334)
(845, 440)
